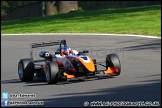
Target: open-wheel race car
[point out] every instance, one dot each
(65, 64)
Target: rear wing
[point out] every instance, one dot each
(44, 44)
(50, 43)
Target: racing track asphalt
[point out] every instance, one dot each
(140, 78)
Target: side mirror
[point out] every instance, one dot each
(42, 54)
(85, 51)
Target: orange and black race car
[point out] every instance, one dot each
(65, 64)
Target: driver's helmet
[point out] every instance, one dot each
(66, 51)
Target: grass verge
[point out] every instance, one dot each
(137, 20)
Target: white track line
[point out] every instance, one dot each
(144, 36)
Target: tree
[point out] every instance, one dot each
(50, 8)
(55, 7)
(4, 7)
(67, 6)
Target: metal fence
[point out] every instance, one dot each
(27, 11)
(36, 9)
(96, 5)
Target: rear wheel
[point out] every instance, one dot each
(112, 60)
(26, 70)
(52, 72)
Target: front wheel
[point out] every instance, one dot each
(52, 72)
(112, 60)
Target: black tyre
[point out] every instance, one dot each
(112, 60)
(26, 70)
(52, 72)
(94, 61)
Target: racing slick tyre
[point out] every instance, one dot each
(26, 70)
(112, 60)
(94, 61)
(52, 72)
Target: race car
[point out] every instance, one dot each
(65, 64)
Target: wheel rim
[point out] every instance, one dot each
(47, 74)
(20, 70)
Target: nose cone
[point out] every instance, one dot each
(87, 62)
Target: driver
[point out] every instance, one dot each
(67, 51)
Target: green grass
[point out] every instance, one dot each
(137, 20)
